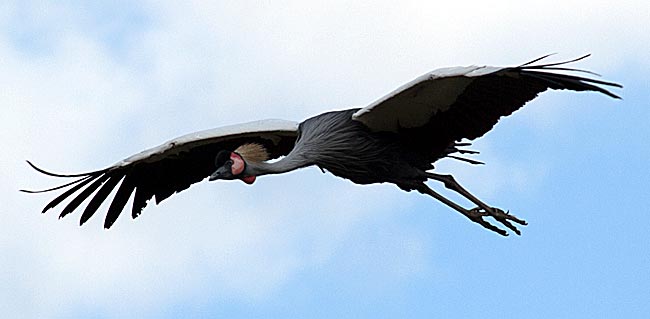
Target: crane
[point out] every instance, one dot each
(394, 140)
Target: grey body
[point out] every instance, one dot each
(395, 140)
(347, 148)
(336, 143)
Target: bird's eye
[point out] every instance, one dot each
(229, 162)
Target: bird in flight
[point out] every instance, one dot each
(395, 139)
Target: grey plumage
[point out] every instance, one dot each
(394, 140)
(347, 148)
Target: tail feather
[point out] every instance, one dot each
(471, 161)
(455, 149)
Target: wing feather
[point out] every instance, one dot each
(451, 104)
(165, 170)
(119, 201)
(100, 197)
(142, 195)
(76, 201)
(66, 194)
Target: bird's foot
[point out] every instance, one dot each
(505, 218)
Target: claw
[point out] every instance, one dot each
(477, 214)
(493, 228)
(508, 216)
(509, 225)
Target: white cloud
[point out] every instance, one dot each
(76, 107)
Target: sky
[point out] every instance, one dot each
(88, 83)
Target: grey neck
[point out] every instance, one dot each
(286, 164)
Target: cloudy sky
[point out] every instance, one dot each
(86, 83)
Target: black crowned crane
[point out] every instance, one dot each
(393, 140)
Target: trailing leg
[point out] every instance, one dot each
(474, 215)
(498, 214)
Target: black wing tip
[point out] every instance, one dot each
(529, 64)
(107, 225)
(83, 177)
(588, 83)
(106, 178)
(28, 191)
(536, 60)
(42, 171)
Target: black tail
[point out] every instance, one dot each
(455, 149)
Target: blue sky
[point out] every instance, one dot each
(86, 84)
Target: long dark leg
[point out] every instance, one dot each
(498, 214)
(473, 214)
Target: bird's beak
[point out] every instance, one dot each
(222, 172)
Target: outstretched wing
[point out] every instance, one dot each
(167, 169)
(466, 102)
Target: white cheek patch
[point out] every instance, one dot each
(237, 164)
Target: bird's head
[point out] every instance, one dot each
(231, 165)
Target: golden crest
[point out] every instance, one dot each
(253, 152)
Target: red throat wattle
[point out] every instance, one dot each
(248, 179)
